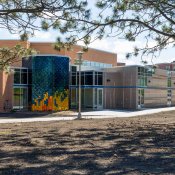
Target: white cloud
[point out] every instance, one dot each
(39, 35)
(121, 47)
(6, 35)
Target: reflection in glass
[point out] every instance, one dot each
(20, 98)
(17, 77)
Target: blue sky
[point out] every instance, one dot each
(119, 46)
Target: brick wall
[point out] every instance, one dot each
(1, 84)
(12, 43)
(91, 55)
(165, 65)
(6, 80)
(45, 48)
(6, 89)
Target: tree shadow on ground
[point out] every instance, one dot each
(111, 150)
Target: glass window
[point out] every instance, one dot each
(100, 79)
(73, 98)
(17, 76)
(167, 67)
(88, 78)
(169, 82)
(73, 80)
(88, 63)
(95, 101)
(100, 97)
(96, 64)
(88, 98)
(96, 78)
(23, 70)
(82, 78)
(21, 76)
(20, 98)
(16, 97)
(73, 68)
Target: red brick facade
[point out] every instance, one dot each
(91, 55)
(166, 66)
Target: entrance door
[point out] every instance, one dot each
(140, 98)
(20, 98)
(99, 98)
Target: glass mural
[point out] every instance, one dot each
(50, 83)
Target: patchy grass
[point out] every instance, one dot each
(138, 145)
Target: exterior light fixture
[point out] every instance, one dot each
(79, 62)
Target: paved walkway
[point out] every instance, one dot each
(90, 115)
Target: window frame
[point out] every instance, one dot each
(20, 76)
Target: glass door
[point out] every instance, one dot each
(140, 98)
(99, 98)
(16, 98)
(20, 98)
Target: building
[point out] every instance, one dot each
(49, 81)
(17, 84)
(166, 66)
(124, 87)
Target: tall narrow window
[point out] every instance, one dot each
(23, 76)
(17, 76)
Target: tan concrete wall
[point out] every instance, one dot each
(112, 96)
(130, 94)
(156, 97)
(173, 86)
(120, 97)
(173, 97)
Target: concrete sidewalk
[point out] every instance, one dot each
(124, 113)
(89, 115)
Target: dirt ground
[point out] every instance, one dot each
(138, 145)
